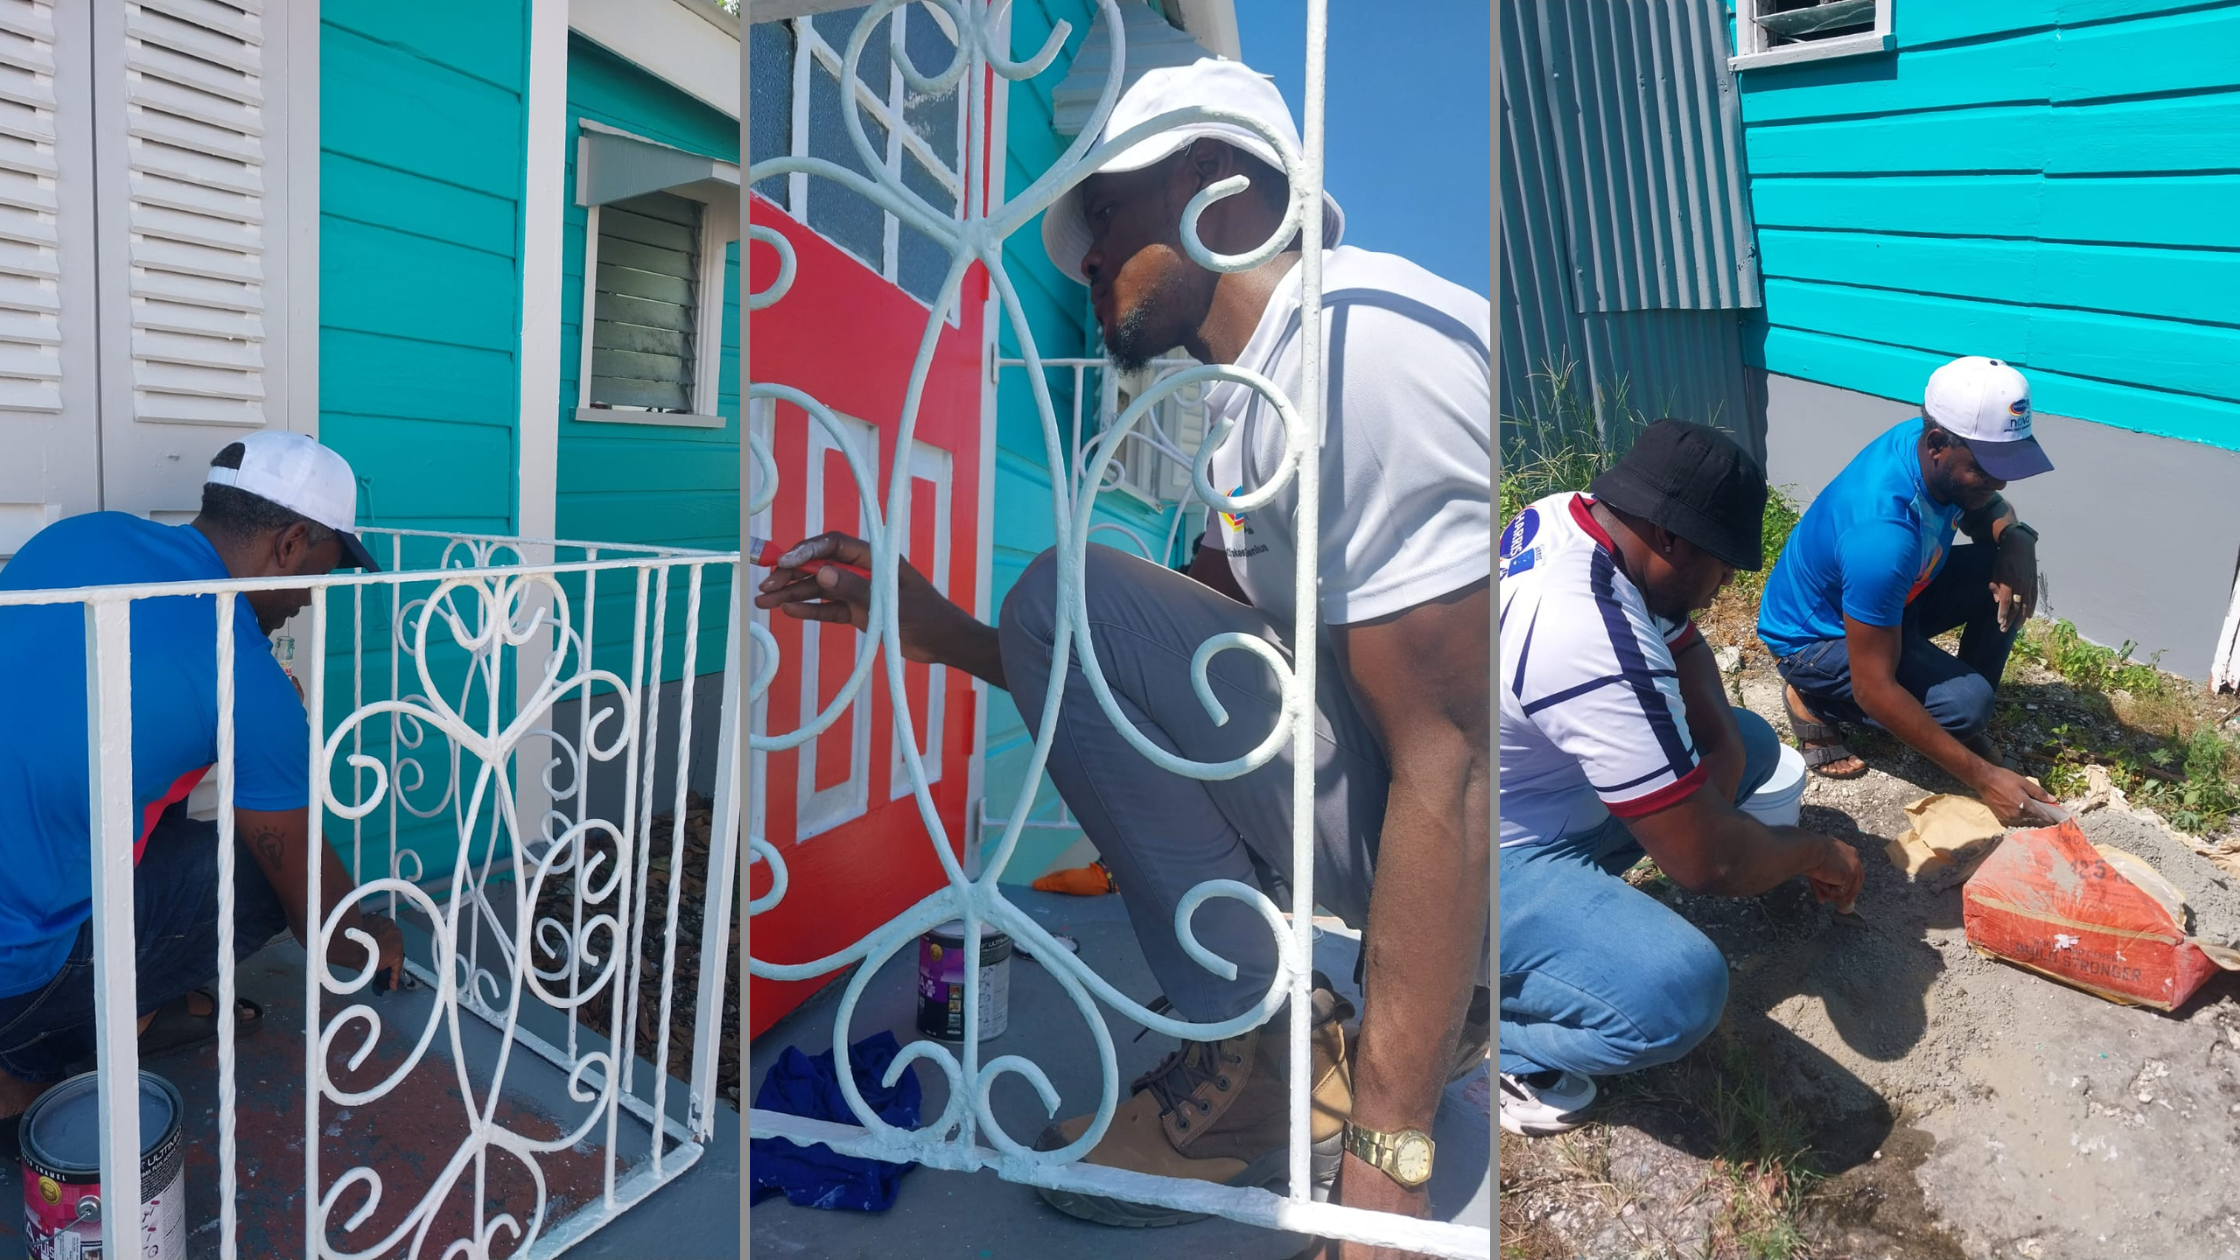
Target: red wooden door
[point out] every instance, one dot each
(839, 809)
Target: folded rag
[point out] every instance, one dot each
(817, 1176)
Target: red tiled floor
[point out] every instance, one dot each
(408, 1137)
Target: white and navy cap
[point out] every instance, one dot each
(304, 477)
(1208, 83)
(1986, 403)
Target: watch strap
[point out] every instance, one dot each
(1380, 1150)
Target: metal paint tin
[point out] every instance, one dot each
(941, 982)
(61, 1138)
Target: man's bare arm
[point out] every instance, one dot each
(1874, 653)
(1710, 718)
(1423, 680)
(280, 841)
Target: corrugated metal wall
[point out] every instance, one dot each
(1626, 240)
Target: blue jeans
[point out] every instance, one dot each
(1598, 977)
(1957, 690)
(175, 926)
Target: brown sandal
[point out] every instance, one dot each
(1821, 743)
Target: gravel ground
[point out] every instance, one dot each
(1959, 1107)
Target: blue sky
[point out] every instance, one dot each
(1406, 128)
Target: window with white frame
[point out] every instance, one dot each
(1778, 32)
(797, 108)
(657, 233)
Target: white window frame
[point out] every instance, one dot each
(1753, 49)
(812, 49)
(719, 228)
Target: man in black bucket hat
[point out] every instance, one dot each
(1617, 740)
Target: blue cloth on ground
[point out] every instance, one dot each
(817, 1176)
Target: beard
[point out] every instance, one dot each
(1135, 339)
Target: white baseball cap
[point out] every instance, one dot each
(1986, 403)
(1209, 83)
(304, 477)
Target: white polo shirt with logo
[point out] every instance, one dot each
(1592, 722)
(1407, 504)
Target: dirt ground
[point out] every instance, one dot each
(1947, 1105)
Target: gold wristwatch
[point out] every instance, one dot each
(1404, 1156)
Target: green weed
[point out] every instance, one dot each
(2089, 666)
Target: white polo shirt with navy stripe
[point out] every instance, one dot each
(1592, 723)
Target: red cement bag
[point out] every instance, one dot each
(2048, 901)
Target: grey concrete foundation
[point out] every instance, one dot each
(2139, 535)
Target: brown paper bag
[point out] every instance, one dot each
(1950, 837)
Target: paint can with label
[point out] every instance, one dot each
(62, 1201)
(941, 982)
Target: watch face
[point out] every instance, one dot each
(1411, 1158)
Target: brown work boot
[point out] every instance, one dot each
(1218, 1111)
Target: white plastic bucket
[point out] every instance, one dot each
(1778, 803)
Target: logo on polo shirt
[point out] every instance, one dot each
(1517, 555)
(1520, 533)
(1236, 520)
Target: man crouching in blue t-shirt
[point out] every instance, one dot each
(1870, 576)
(274, 505)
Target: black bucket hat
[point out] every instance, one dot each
(1696, 482)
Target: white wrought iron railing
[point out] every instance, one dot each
(1153, 458)
(456, 663)
(954, 1139)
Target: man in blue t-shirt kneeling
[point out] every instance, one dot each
(1870, 576)
(274, 505)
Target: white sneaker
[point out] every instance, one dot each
(1544, 1102)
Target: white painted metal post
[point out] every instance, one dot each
(115, 1001)
(228, 1142)
(723, 857)
(315, 923)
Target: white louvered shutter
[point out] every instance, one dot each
(30, 265)
(196, 234)
(48, 433)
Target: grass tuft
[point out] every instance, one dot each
(2139, 723)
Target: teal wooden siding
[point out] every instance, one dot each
(643, 483)
(422, 134)
(1057, 313)
(2055, 182)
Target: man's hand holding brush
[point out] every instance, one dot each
(828, 578)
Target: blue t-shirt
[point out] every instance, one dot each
(1869, 545)
(45, 826)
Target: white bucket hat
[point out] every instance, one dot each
(1209, 83)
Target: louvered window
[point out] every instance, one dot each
(647, 305)
(1778, 32)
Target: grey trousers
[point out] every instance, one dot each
(1161, 833)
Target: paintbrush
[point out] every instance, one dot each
(762, 553)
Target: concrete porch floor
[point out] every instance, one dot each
(978, 1216)
(409, 1136)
